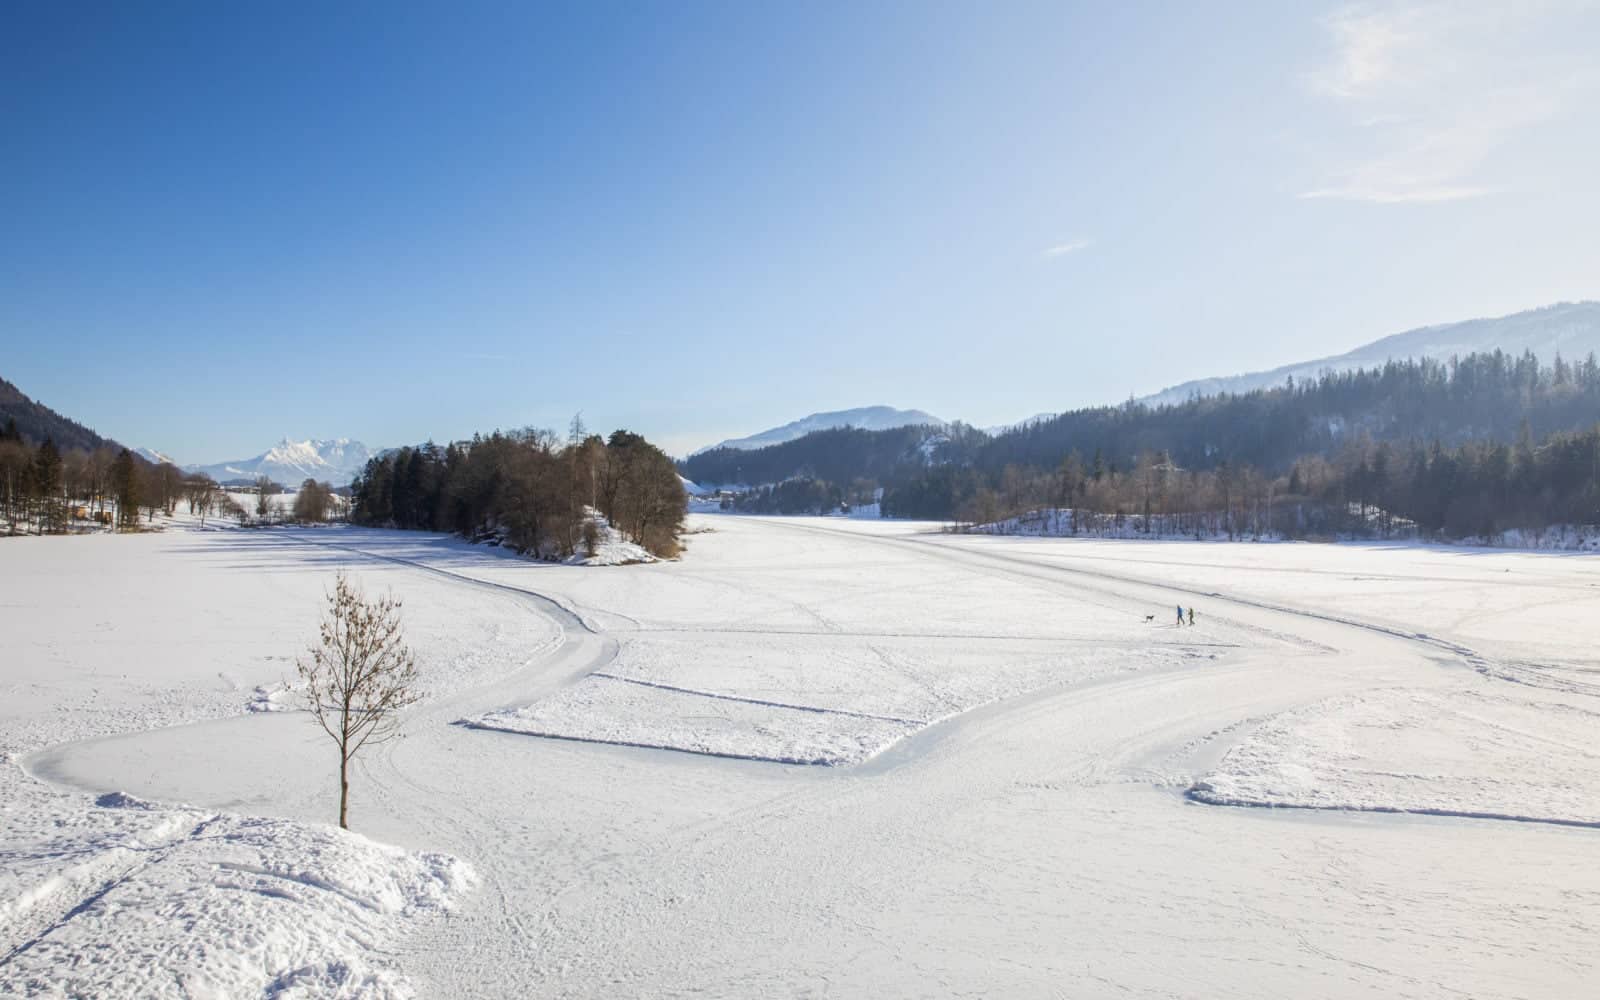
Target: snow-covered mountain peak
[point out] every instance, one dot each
(334, 460)
(153, 457)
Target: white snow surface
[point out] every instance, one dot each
(1016, 807)
(130, 899)
(107, 895)
(1477, 753)
(282, 504)
(840, 702)
(613, 549)
(1064, 522)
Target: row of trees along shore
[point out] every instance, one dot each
(1468, 447)
(1367, 489)
(530, 489)
(45, 490)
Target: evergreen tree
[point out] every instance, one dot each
(49, 503)
(125, 486)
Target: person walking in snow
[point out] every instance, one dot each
(1191, 615)
(1180, 615)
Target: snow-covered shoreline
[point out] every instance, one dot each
(1066, 523)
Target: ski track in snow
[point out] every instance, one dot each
(1045, 843)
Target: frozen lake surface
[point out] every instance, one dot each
(813, 757)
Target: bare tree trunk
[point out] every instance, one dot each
(358, 677)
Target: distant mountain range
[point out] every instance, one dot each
(868, 418)
(1571, 329)
(335, 461)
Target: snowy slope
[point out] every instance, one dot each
(1037, 418)
(152, 456)
(290, 462)
(1569, 328)
(693, 489)
(871, 418)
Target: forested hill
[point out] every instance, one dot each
(1483, 398)
(529, 491)
(1571, 329)
(840, 455)
(38, 423)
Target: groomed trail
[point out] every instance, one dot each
(1043, 844)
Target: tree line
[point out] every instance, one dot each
(46, 490)
(1366, 489)
(840, 455)
(1481, 397)
(529, 489)
(1473, 446)
(1470, 446)
(805, 496)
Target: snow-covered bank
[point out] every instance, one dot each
(129, 899)
(1473, 753)
(1064, 522)
(111, 896)
(600, 544)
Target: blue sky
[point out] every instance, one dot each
(227, 223)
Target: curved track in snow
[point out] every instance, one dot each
(1038, 846)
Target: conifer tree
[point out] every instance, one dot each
(47, 488)
(125, 485)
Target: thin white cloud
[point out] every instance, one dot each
(1425, 95)
(1071, 246)
(1369, 44)
(1390, 195)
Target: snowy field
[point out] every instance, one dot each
(813, 757)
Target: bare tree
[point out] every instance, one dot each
(359, 676)
(169, 482)
(101, 461)
(16, 464)
(265, 489)
(227, 506)
(312, 501)
(201, 492)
